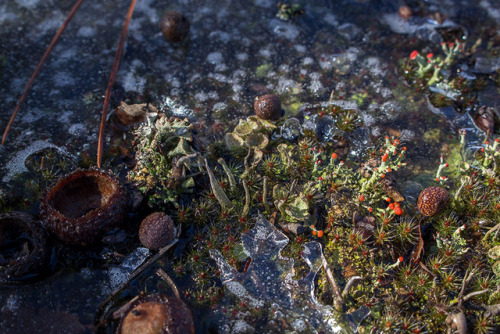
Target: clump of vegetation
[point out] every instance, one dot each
(416, 273)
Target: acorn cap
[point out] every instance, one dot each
(156, 314)
(156, 230)
(146, 318)
(433, 200)
(82, 206)
(268, 107)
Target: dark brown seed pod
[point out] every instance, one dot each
(432, 201)
(82, 206)
(156, 230)
(174, 26)
(268, 107)
(24, 252)
(156, 314)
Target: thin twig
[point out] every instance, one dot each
(264, 193)
(491, 230)
(164, 276)
(467, 277)
(349, 285)
(492, 310)
(114, 69)
(475, 293)
(338, 300)
(39, 66)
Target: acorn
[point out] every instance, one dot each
(433, 200)
(156, 230)
(268, 107)
(174, 26)
(156, 314)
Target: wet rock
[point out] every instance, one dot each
(174, 26)
(432, 201)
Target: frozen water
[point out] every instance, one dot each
(268, 280)
(118, 275)
(16, 165)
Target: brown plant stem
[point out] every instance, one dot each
(114, 69)
(338, 301)
(39, 66)
(164, 276)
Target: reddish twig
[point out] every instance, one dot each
(39, 66)
(111, 81)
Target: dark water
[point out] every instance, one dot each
(235, 51)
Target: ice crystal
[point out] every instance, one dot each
(268, 282)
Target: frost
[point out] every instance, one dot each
(268, 282)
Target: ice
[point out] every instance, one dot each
(118, 275)
(486, 65)
(291, 129)
(12, 303)
(268, 281)
(77, 129)
(176, 108)
(16, 165)
(28, 3)
(215, 58)
(284, 29)
(331, 19)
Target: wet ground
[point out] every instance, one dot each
(348, 51)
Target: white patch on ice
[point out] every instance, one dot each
(12, 303)
(300, 48)
(284, 29)
(16, 165)
(242, 56)
(374, 66)
(63, 79)
(307, 61)
(33, 114)
(77, 129)
(215, 58)
(27, 3)
(131, 83)
(331, 19)
(145, 6)
(264, 3)
(86, 32)
(265, 53)
(493, 12)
